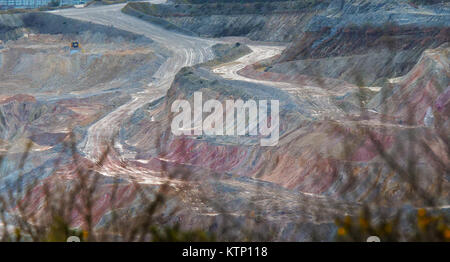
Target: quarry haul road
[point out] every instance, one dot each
(185, 51)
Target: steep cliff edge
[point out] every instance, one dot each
(365, 42)
(268, 21)
(362, 55)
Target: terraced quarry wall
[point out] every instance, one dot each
(368, 55)
(268, 21)
(287, 21)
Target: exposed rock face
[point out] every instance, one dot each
(360, 40)
(421, 92)
(365, 42)
(366, 53)
(257, 27)
(270, 21)
(284, 21)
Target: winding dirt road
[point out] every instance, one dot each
(185, 51)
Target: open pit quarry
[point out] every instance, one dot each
(356, 81)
